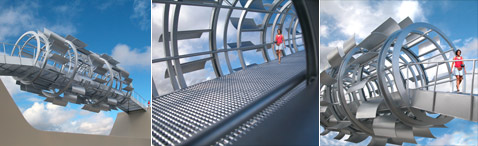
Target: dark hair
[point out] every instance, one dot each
(279, 30)
(456, 52)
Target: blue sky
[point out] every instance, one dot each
(457, 19)
(118, 28)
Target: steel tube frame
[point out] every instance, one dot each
(173, 57)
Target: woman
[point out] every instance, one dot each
(458, 69)
(279, 43)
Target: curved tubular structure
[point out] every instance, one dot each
(386, 87)
(63, 71)
(171, 35)
(245, 99)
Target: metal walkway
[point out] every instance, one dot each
(186, 113)
(459, 105)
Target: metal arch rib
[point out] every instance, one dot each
(289, 34)
(174, 36)
(341, 95)
(167, 51)
(294, 35)
(239, 34)
(212, 41)
(226, 25)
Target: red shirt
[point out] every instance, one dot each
(458, 63)
(279, 39)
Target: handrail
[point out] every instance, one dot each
(434, 62)
(212, 52)
(143, 102)
(436, 73)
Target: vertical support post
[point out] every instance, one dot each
(436, 78)
(435, 87)
(473, 77)
(472, 83)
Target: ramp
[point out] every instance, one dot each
(459, 105)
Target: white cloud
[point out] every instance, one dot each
(324, 31)
(131, 57)
(103, 5)
(142, 13)
(456, 41)
(328, 140)
(21, 17)
(51, 117)
(13, 20)
(470, 48)
(10, 84)
(361, 17)
(96, 124)
(336, 43)
(47, 116)
(191, 18)
(457, 138)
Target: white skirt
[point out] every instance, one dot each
(280, 47)
(458, 72)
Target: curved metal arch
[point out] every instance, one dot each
(226, 25)
(212, 41)
(239, 34)
(167, 51)
(288, 34)
(72, 76)
(174, 46)
(294, 35)
(397, 48)
(35, 60)
(172, 58)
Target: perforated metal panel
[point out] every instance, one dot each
(182, 114)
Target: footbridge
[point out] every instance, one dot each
(63, 71)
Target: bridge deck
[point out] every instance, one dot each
(182, 114)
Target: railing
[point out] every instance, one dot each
(475, 62)
(142, 102)
(8, 50)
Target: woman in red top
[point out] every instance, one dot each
(279, 43)
(458, 69)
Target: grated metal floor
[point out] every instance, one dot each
(179, 115)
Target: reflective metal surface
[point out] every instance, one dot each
(63, 71)
(387, 86)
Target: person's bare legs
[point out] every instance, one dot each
(458, 83)
(461, 79)
(279, 54)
